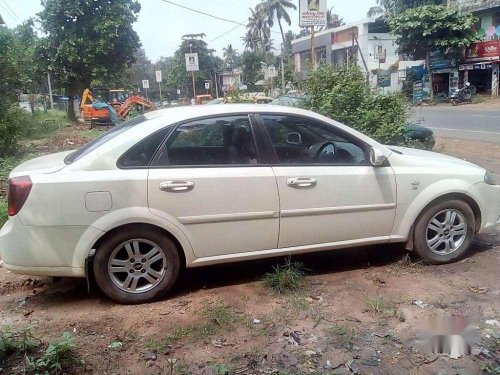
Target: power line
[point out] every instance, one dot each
(205, 14)
(211, 15)
(10, 10)
(221, 35)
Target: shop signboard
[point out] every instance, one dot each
(384, 78)
(418, 92)
(312, 13)
(439, 61)
(483, 51)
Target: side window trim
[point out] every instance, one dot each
(256, 135)
(167, 128)
(270, 147)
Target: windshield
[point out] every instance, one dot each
(102, 139)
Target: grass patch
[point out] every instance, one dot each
(385, 308)
(285, 278)
(43, 125)
(215, 319)
(406, 265)
(342, 335)
(58, 356)
(4, 214)
(14, 342)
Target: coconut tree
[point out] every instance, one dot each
(230, 55)
(277, 10)
(332, 20)
(258, 31)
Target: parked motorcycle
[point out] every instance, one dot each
(463, 95)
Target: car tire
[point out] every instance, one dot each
(453, 219)
(136, 265)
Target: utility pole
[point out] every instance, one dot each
(50, 91)
(216, 84)
(313, 48)
(192, 73)
(282, 70)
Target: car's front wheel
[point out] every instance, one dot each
(136, 265)
(444, 232)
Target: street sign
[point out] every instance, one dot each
(192, 64)
(207, 85)
(178, 91)
(145, 84)
(384, 78)
(418, 92)
(312, 13)
(380, 53)
(158, 76)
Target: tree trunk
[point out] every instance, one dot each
(71, 108)
(428, 65)
(282, 35)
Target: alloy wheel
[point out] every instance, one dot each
(446, 232)
(137, 266)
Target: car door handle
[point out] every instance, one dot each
(302, 182)
(176, 186)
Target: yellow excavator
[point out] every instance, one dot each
(105, 107)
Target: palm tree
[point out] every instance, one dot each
(382, 8)
(332, 20)
(258, 31)
(230, 56)
(277, 9)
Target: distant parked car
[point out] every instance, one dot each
(195, 186)
(415, 132)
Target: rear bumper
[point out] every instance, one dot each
(40, 251)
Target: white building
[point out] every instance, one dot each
(376, 54)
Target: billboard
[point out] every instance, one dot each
(158, 76)
(145, 84)
(192, 64)
(312, 13)
(483, 51)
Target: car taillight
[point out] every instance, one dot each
(19, 189)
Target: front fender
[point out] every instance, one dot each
(132, 215)
(412, 202)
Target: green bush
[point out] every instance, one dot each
(4, 215)
(342, 94)
(13, 121)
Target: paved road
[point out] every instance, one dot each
(470, 122)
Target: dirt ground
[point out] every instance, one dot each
(357, 312)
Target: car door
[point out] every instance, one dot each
(208, 179)
(329, 192)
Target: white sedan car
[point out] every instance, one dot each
(195, 186)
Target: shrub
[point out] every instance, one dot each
(56, 358)
(342, 94)
(13, 121)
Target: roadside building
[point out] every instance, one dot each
(367, 43)
(230, 79)
(481, 60)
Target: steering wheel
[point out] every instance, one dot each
(322, 150)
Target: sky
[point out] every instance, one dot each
(161, 25)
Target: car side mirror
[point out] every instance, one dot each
(377, 157)
(294, 138)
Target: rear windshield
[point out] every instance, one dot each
(102, 139)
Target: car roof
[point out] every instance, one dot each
(189, 112)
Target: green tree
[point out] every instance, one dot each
(231, 56)
(277, 9)
(393, 7)
(421, 30)
(252, 67)
(88, 40)
(332, 20)
(258, 35)
(178, 78)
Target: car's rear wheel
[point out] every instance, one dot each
(444, 232)
(136, 265)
